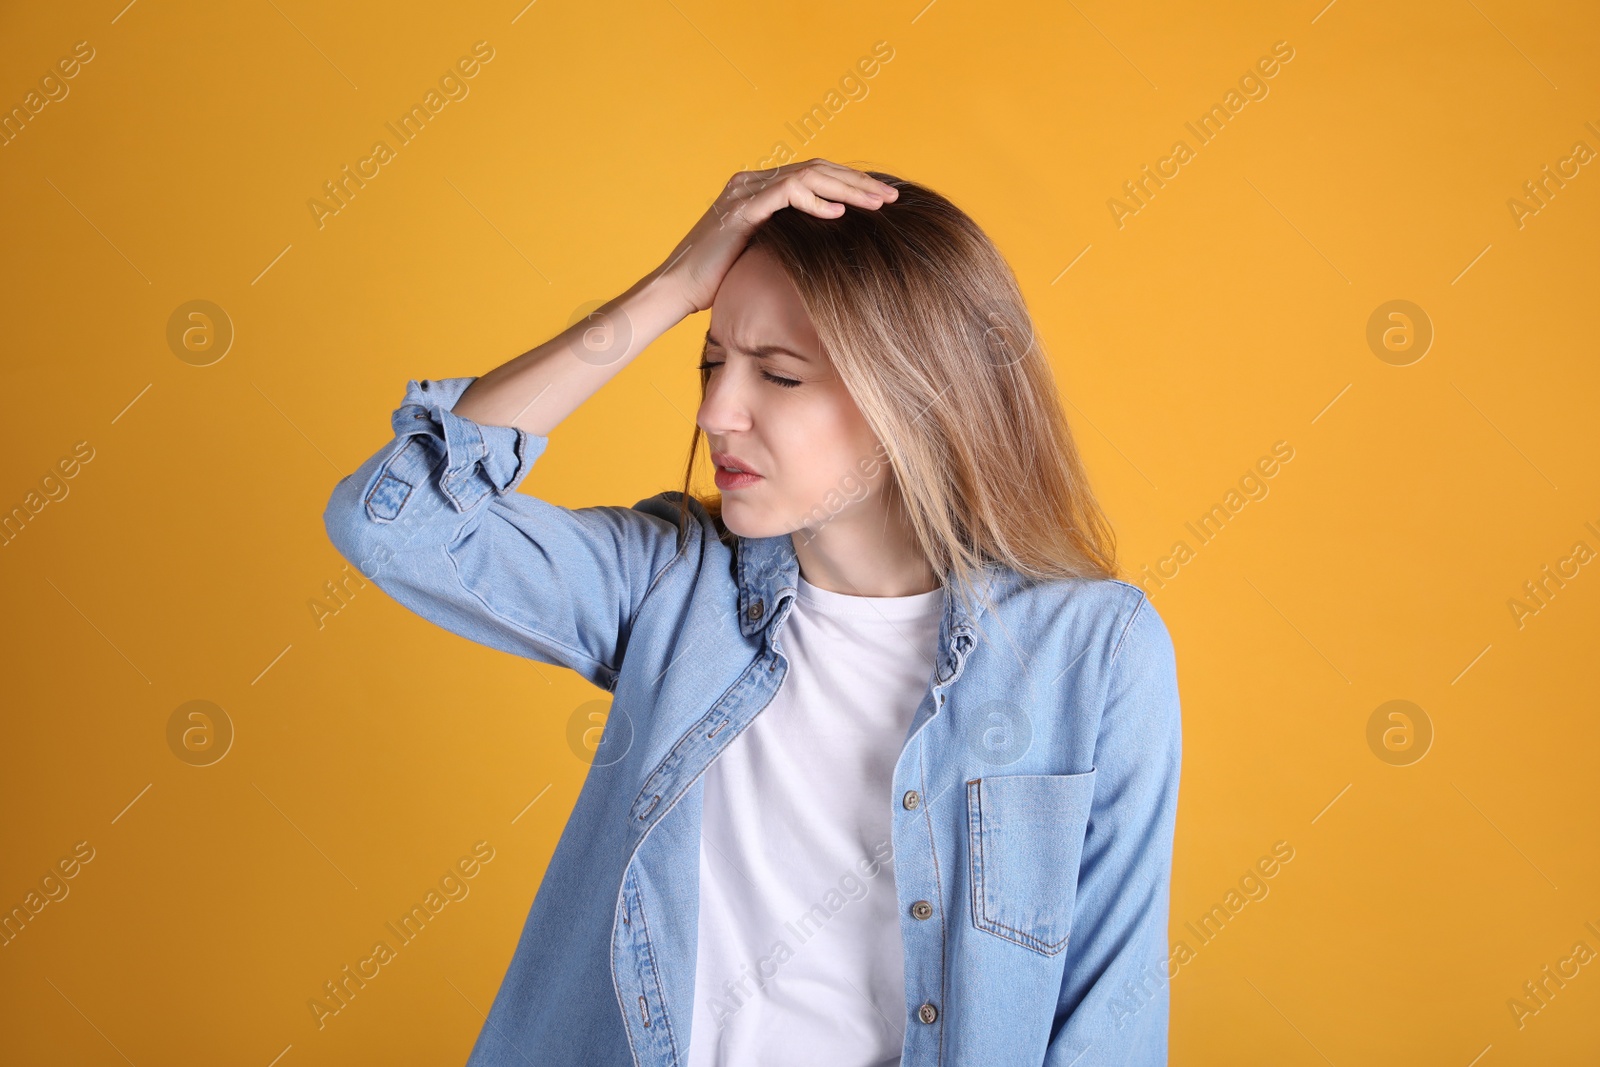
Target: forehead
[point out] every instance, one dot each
(757, 307)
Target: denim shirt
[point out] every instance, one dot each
(1033, 801)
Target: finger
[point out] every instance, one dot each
(756, 197)
(857, 178)
(760, 193)
(805, 186)
(754, 182)
(843, 188)
(802, 198)
(817, 186)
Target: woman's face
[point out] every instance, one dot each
(774, 406)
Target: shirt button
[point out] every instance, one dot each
(756, 609)
(921, 909)
(910, 800)
(927, 1013)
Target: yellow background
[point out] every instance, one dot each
(374, 750)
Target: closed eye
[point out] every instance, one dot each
(787, 383)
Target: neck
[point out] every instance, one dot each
(865, 551)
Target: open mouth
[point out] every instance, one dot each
(731, 464)
(732, 473)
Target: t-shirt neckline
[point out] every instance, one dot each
(880, 608)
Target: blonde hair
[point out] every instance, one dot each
(924, 322)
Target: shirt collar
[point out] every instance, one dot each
(769, 571)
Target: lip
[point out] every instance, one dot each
(728, 459)
(726, 480)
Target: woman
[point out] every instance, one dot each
(891, 768)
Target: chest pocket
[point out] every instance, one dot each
(1025, 838)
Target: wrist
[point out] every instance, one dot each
(656, 303)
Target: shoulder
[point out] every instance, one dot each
(1129, 663)
(1143, 668)
(1143, 638)
(1106, 605)
(690, 515)
(1114, 617)
(698, 531)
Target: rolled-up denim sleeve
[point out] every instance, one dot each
(434, 520)
(1114, 1000)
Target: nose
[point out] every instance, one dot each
(723, 409)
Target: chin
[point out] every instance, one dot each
(746, 521)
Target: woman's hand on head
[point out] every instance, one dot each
(818, 187)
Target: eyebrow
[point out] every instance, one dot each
(761, 351)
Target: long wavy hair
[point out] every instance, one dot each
(923, 321)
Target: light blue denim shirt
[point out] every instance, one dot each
(1032, 805)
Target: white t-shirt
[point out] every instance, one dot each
(800, 962)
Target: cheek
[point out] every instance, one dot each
(834, 471)
(821, 446)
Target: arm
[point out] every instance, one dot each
(1114, 1004)
(538, 389)
(433, 518)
